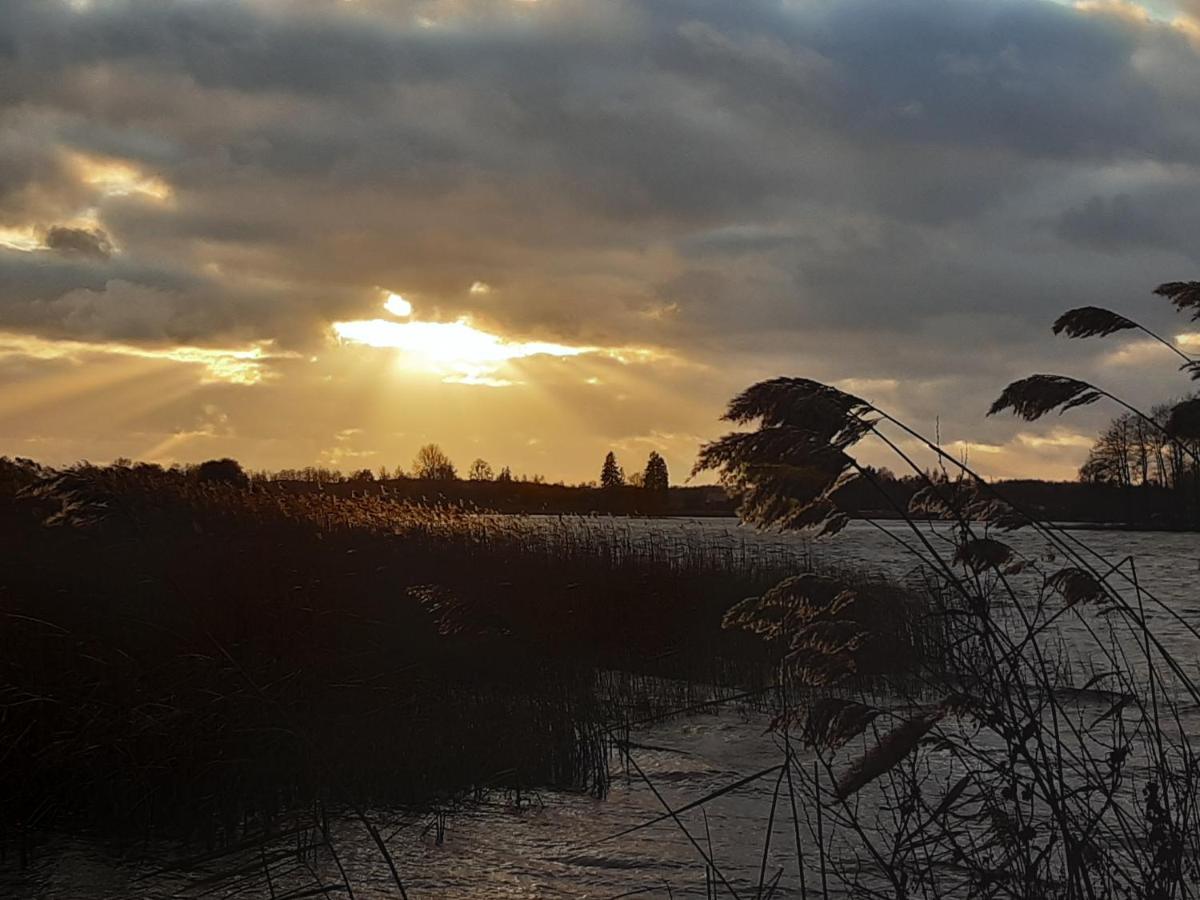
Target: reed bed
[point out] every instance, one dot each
(201, 660)
(1051, 754)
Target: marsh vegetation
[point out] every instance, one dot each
(203, 660)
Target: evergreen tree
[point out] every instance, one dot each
(655, 477)
(611, 475)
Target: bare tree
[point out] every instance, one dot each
(1135, 450)
(432, 464)
(481, 471)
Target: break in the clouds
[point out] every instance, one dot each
(606, 216)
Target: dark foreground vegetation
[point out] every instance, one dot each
(197, 659)
(1026, 763)
(1053, 754)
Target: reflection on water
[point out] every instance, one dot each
(561, 845)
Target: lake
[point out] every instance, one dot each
(562, 845)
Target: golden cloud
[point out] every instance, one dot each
(238, 365)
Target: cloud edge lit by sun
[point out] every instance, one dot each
(458, 350)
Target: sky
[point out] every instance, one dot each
(326, 232)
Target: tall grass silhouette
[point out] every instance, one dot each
(232, 666)
(1029, 764)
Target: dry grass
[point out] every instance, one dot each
(1043, 769)
(197, 659)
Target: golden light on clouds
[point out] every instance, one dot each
(25, 238)
(1058, 437)
(243, 365)
(1058, 452)
(1123, 9)
(460, 352)
(1055, 439)
(118, 178)
(1142, 15)
(868, 387)
(30, 238)
(457, 350)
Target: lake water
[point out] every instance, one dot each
(562, 845)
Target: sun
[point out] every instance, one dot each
(398, 306)
(458, 351)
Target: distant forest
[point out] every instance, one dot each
(1133, 477)
(1143, 506)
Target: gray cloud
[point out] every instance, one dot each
(867, 183)
(1156, 218)
(79, 241)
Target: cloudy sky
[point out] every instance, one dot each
(328, 231)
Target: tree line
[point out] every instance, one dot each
(1135, 451)
(432, 463)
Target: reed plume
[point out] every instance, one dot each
(1091, 321)
(981, 554)
(889, 752)
(1184, 294)
(1035, 396)
(1077, 586)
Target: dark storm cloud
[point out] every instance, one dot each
(87, 296)
(79, 241)
(91, 297)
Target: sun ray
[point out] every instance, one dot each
(53, 393)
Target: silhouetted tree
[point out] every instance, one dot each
(655, 478)
(1133, 451)
(433, 465)
(481, 471)
(611, 475)
(505, 475)
(222, 471)
(363, 475)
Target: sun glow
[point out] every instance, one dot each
(25, 239)
(461, 353)
(398, 306)
(1189, 340)
(457, 350)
